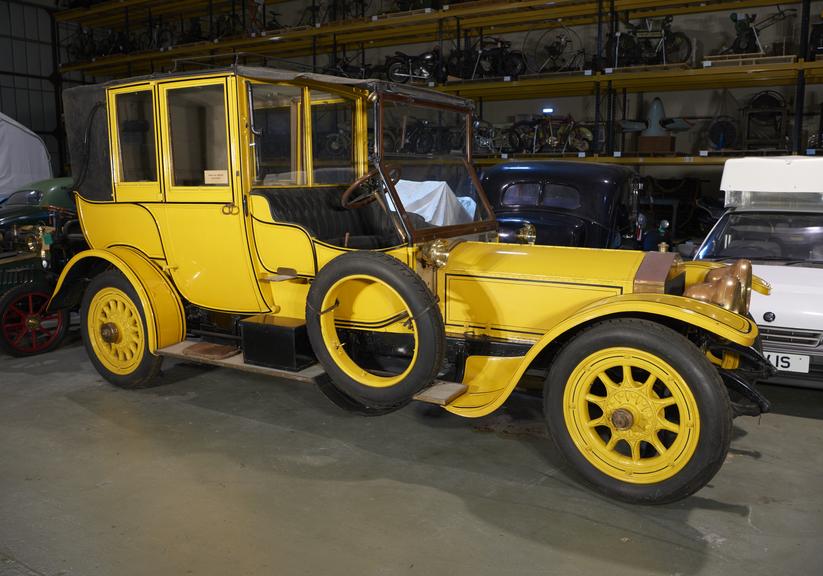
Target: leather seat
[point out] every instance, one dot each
(319, 211)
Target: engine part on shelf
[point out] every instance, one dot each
(747, 30)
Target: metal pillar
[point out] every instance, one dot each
(800, 86)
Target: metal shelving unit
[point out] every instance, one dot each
(491, 17)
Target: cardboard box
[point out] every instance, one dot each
(655, 144)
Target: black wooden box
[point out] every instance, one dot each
(275, 342)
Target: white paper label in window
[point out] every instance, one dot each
(216, 176)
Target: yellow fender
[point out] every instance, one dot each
(165, 317)
(491, 380)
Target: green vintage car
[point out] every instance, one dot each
(39, 233)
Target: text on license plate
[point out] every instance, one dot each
(788, 362)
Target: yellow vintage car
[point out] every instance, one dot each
(335, 231)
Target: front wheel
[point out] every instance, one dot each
(638, 411)
(113, 326)
(26, 328)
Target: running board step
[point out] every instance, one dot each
(441, 392)
(182, 351)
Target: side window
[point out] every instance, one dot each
(560, 196)
(135, 133)
(277, 129)
(521, 194)
(332, 138)
(198, 140)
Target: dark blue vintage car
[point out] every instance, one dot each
(569, 203)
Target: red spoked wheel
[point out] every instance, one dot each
(26, 328)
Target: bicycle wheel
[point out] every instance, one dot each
(677, 48)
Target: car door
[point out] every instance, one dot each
(204, 230)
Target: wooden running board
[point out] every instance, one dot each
(441, 392)
(236, 362)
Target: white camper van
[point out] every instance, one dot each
(774, 218)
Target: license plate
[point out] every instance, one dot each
(788, 362)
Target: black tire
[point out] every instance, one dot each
(678, 48)
(147, 365)
(514, 64)
(425, 313)
(714, 411)
(397, 71)
(22, 309)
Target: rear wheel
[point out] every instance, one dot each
(113, 326)
(26, 328)
(375, 328)
(678, 48)
(397, 71)
(638, 411)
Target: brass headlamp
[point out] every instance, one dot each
(435, 253)
(729, 287)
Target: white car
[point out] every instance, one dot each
(775, 219)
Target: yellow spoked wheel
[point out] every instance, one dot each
(114, 332)
(376, 329)
(638, 411)
(631, 415)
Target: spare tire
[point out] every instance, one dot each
(363, 304)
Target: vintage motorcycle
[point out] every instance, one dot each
(650, 42)
(425, 67)
(487, 58)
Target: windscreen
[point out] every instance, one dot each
(424, 153)
(778, 236)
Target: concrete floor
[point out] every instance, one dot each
(222, 473)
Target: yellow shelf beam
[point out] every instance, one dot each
(670, 80)
(680, 160)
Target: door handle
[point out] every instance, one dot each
(229, 209)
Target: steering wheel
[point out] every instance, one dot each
(370, 194)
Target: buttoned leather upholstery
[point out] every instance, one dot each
(318, 210)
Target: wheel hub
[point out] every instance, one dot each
(630, 413)
(622, 419)
(32, 322)
(109, 333)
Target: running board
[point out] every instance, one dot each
(236, 362)
(441, 392)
